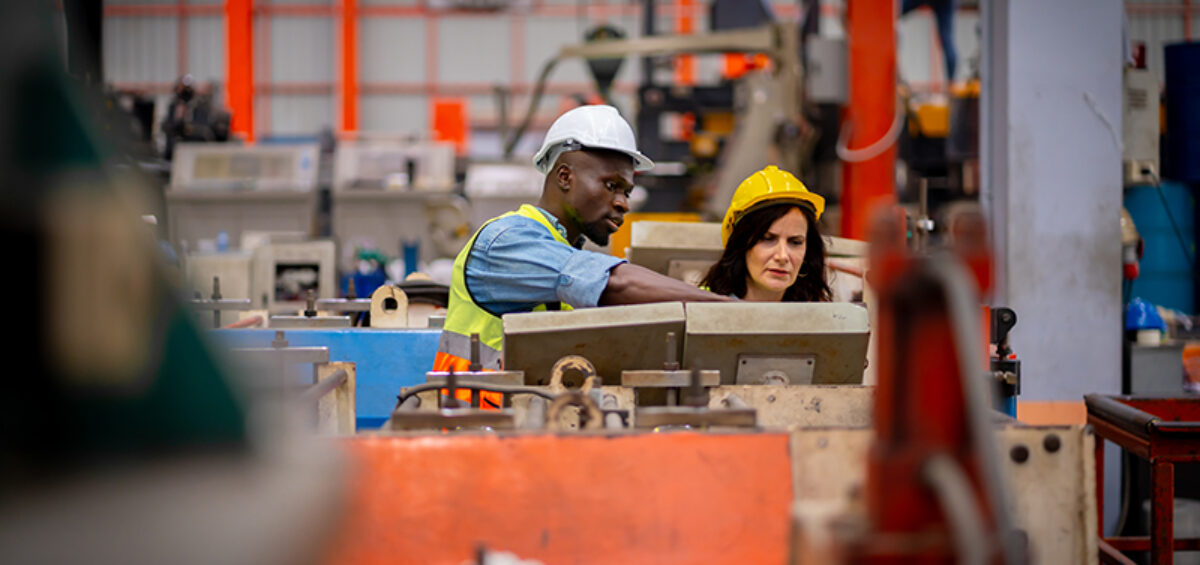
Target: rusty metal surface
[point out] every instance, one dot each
(572, 411)
(836, 334)
(667, 379)
(781, 369)
(510, 378)
(659, 416)
(570, 372)
(450, 418)
(782, 407)
(648, 498)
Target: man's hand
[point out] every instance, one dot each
(634, 284)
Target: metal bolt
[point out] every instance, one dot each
(771, 398)
(475, 364)
(310, 309)
(451, 400)
(1019, 453)
(1051, 443)
(672, 361)
(216, 295)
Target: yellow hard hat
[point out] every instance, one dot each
(768, 187)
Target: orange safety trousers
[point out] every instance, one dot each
(444, 363)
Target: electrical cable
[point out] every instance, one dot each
(876, 148)
(1171, 217)
(538, 90)
(468, 385)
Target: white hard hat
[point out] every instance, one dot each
(599, 127)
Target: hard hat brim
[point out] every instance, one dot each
(641, 163)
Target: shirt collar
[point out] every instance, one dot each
(577, 244)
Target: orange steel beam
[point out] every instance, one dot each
(646, 498)
(871, 37)
(239, 65)
(685, 65)
(181, 39)
(349, 75)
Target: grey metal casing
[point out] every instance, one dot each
(825, 76)
(1140, 126)
(269, 258)
(681, 249)
(614, 339)
(718, 335)
(655, 245)
(219, 187)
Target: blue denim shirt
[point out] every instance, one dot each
(516, 265)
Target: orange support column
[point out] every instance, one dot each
(239, 66)
(685, 65)
(349, 75)
(871, 37)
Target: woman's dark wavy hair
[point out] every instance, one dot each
(728, 276)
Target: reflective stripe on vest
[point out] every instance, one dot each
(465, 317)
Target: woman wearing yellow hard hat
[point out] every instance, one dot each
(773, 249)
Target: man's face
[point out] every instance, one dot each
(598, 198)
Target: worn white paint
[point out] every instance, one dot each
(1052, 186)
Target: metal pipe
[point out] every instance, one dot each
(249, 322)
(472, 385)
(672, 358)
(314, 393)
(411, 403)
(1119, 414)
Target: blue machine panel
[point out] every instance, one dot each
(385, 360)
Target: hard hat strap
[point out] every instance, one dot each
(552, 155)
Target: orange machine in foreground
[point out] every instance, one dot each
(661, 498)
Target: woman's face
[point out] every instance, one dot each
(773, 262)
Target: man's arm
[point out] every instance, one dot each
(634, 284)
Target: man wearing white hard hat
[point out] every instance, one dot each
(531, 259)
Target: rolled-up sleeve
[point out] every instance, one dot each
(516, 264)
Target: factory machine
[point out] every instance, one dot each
(233, 189)
(397, 197)
(729, 433)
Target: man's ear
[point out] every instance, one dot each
(562, 177)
